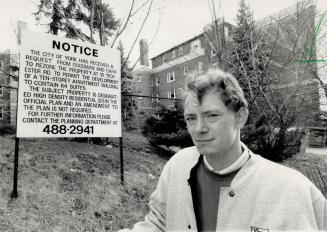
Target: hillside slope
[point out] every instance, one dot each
(70, 186)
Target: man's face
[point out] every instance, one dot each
(211, 124)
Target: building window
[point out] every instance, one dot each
(152, 83)
(2, 65)
(180, 51)
(226, 31)
(157, 81)
(172, 94)
(157, 97)
(164, 58)
(200, 67)
(174, 54)
(170, 77)
(185, 70)
(195, 45)
(1, 112)
(139, 78)
(139, 93)
(1, 90)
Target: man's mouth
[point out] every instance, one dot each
(203, 140)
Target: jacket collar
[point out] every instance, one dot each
(242, 174)
(236, 165)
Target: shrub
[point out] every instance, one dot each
(6, 129)
(179, 139)
(273, 143)
(94, 140)
(169, 129)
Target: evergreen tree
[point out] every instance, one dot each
(96, 16)
(249, 56)
(170, 129)
(243, 38)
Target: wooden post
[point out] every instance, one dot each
(14, 193)
(121, 160)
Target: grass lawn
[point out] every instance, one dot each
(71, 186)
(313, 166)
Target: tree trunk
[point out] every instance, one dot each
(91, 20)
(101, 24)
(54, 27)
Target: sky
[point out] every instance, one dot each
(170, 22)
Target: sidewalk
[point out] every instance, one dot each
(316, 151)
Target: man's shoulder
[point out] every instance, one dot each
(278, 169)
(187, 157)
(282, 174)
(288, 179)
(186, 154)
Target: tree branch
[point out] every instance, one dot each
(139, 32)
(125, 25)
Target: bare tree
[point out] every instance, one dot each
(266, 58)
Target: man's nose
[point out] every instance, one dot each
(201, 126)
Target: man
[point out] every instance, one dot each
(219, 184)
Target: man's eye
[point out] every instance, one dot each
(189, 119)
(213, 115)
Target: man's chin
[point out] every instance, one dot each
(204, 150)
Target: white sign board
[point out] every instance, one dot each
(67, 88)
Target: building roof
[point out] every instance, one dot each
(178, 45)
(140, 69)
(187, 41)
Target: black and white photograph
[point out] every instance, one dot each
(163, 115)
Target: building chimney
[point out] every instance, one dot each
(144, 49)
(20, 25)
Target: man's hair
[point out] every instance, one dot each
(224, 83)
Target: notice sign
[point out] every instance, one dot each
(67, 88)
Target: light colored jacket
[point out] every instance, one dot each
(263, 196)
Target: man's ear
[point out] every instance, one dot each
(241, 116)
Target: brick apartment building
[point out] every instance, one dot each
(303, 17)
(164, 81)
(4, 93)
(141, 87)
(9, 65)
(8, 88)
